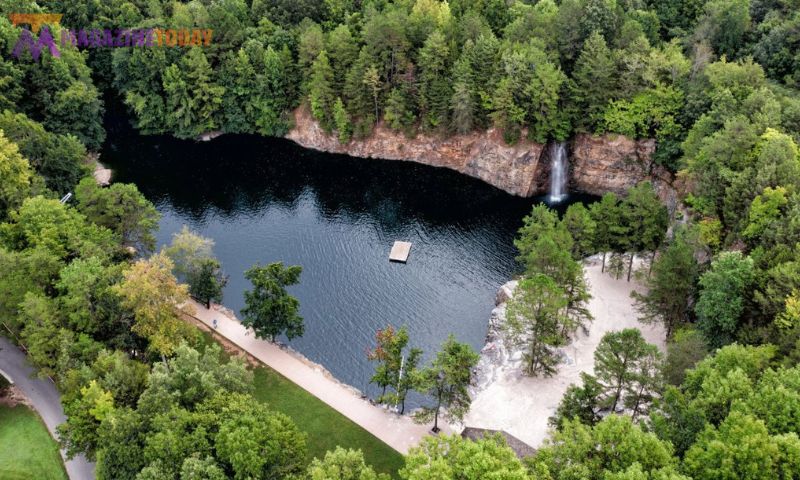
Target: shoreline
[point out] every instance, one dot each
(500, 381)
(397, 431)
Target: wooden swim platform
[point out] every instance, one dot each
(400, 251)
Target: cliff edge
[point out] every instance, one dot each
(598, 164)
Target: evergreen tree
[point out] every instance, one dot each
(358, 98)
(205, 93)
(483, 59)
(397, 113)
(463, 102)
(625, 363)
(320, 91)
(535, 320)
(581, 402)
(342, 121)
(239, 78)
(434, 87)
(446, 380)
(342, 49)
(506, 114)
(607, 218)
(646, 220)
(594, 77)
(581, 227)
(670, 286)
(271, 100)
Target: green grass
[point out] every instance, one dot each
(326, 428)
(27, 451)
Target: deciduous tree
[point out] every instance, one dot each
(343, 464)
(153, 294)
(455, 457)
(269, 309)
(722, 297)
(122, 209)
(16, 174)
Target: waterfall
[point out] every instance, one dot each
(558, 172)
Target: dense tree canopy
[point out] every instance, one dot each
(713, 82)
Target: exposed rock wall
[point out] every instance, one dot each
(515, 169)
(597, 164)
(609, 163)
(613, 163)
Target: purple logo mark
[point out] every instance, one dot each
(28, 42)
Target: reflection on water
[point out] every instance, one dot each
(265, 200)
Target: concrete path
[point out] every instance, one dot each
(397, 431)
(45, 398)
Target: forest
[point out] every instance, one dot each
(714, 82)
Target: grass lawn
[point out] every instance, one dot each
(326, 428)
(26, 449)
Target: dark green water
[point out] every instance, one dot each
(265, 200)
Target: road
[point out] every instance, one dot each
(45, 398)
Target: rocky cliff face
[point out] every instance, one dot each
(609, 163)
(516, 169)
(597, 164)
(613, 163)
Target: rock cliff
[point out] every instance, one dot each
(515, 169)
(597, 164)
(606, 163)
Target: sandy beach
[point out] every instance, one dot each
(508, 400)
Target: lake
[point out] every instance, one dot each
(265, 200)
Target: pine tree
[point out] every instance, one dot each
(434, 86)
(397, 113)
(372, 81)
(320, 91)
(594, 78)
(670, 286)
(343, 51)
(342, 121)
(535, 318)
(607, 218)
(507, 115)
(238, 103)
(646, 220)
(483, 60)
(272, 100)
(357, 98)
(462, 104)
(205, 93)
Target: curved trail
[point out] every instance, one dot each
(45, 399)
(397, 431)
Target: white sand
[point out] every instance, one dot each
(521, 405)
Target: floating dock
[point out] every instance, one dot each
(400, 251)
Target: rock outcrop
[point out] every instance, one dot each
(516, 169)
(598, 164)
(609, 163)
(614, 163)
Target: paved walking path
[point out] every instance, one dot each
(397, 431)
(45, 399)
